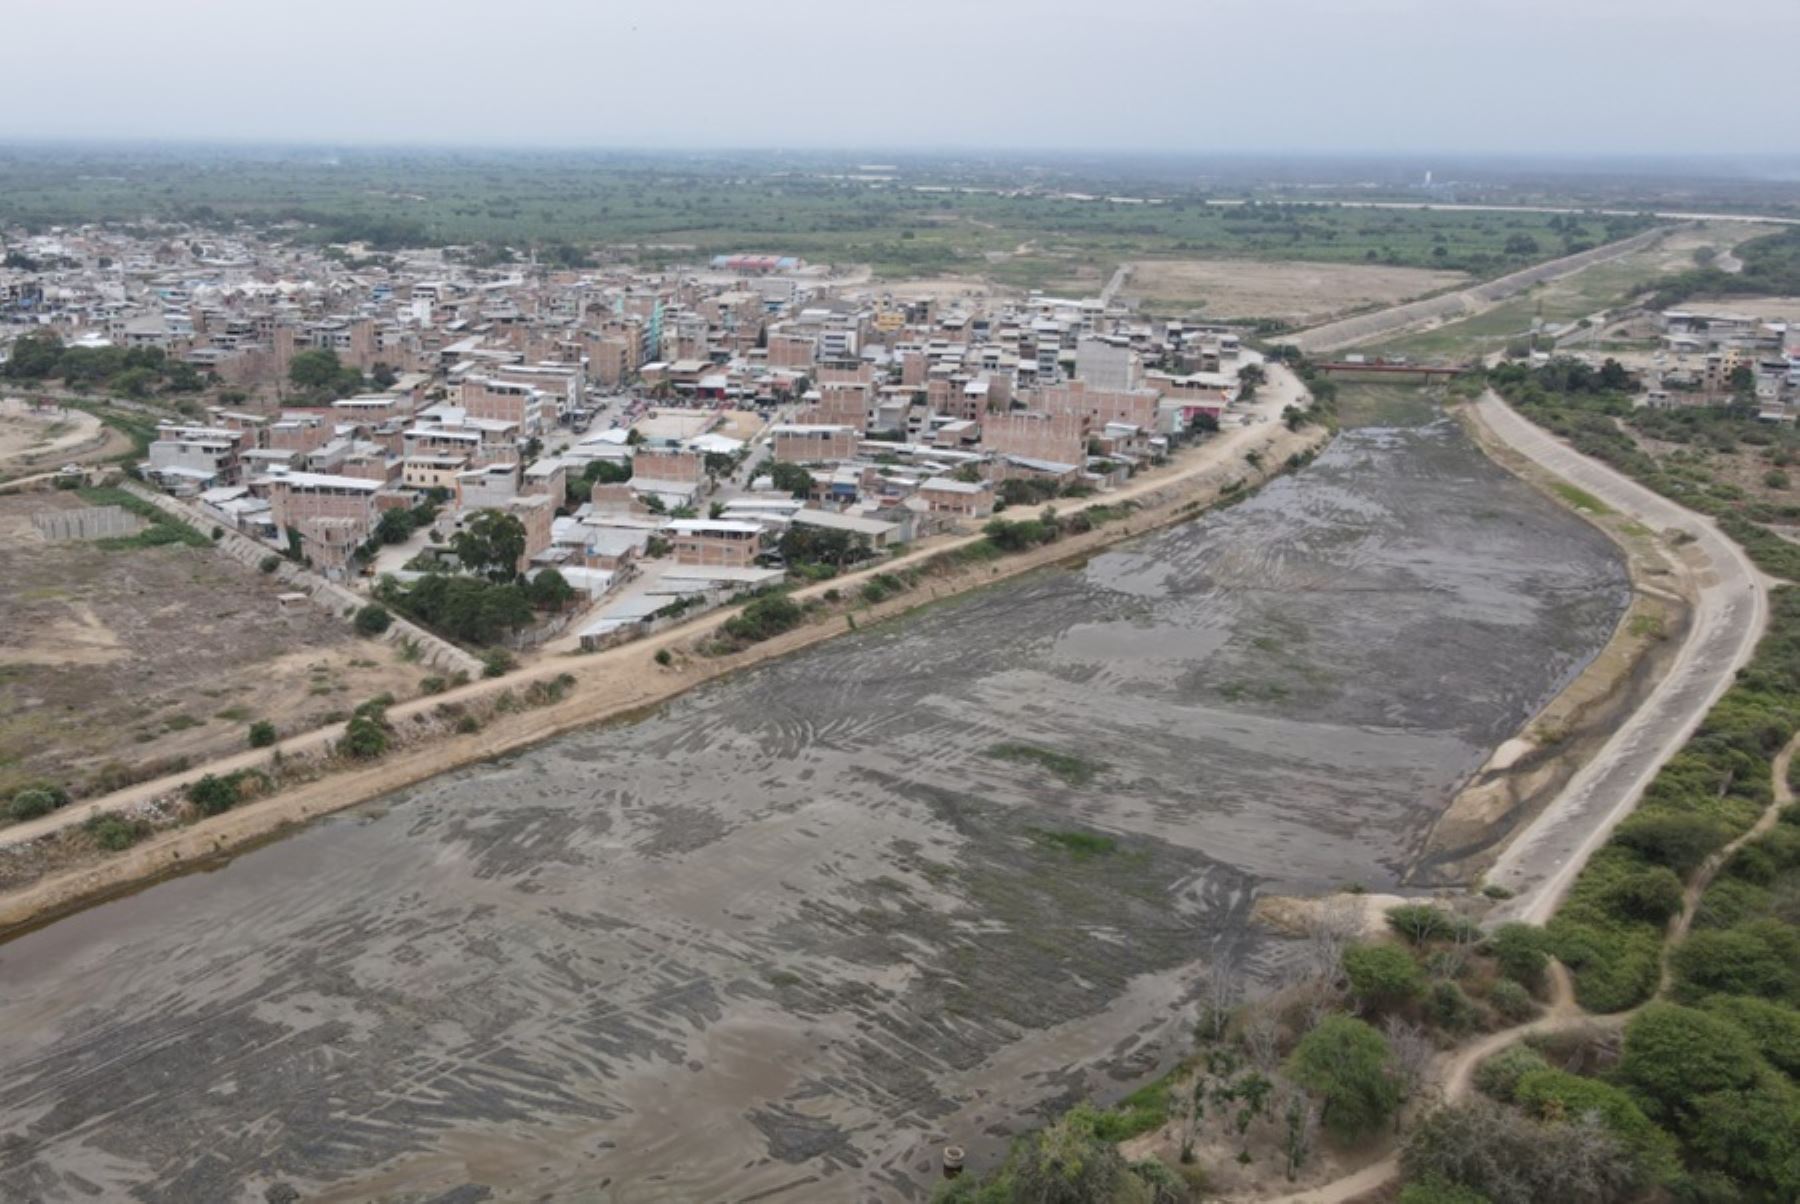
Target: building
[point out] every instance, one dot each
(957, 499)
(716, 543)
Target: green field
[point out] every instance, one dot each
(654, 210)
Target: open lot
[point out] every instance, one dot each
(112, 659)
(36, 439)
(1291, 292)
(1770, 309)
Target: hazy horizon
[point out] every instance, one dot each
(1399, 78)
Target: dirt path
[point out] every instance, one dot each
(608, 685)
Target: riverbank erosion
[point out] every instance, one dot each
(798, 928)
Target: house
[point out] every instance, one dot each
(957, 499)
(716, 543)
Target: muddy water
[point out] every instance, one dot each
(784, 937)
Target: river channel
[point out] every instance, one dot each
(788, 935)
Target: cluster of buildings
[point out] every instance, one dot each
(621, 415)
(1714, 350)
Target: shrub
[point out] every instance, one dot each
(1382, 975)
(1450, 1009)
(1421, 922)
(1675, 1054)
(1754, 1137)
(1775, 1030)
(1344, 1062)
(1558, 1095)
(269, 564)
(1434, 1189)
(1507, 1158)
(372, 620)
(1512, 1001)
(1680, 842)
(365, 737)
(1759, 958)
(764, 619)
(115, 833)
(496, 662)
(664, 657)
(214, 795)
(433, 685)
(1519, 949)
(1498, 1076)
(262, 734)
(1651, 894)
(30, 803)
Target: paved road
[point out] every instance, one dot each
(1729, 617)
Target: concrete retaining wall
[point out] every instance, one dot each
(89, 523)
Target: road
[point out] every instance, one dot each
(1729, 616)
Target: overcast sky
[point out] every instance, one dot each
(1550, 76)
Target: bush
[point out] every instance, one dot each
(1498, 1076)
(1675, 1054)
(664, 657)
(496, 662)
(372, 620)
(1344, 1062)
(1775, 1030)
(1759, 958)
(1512, 1001)
(1753, 1136)
(1520, 951)
(214, 795)
(1451, 1010)
(1680, 842)
(1382, 976)
(764, 619)
(1652, 895)
(1557, 1095)
(262, 734)
(365, 737)
(1507, 1158)
(31, 803)
(1435, 1189)
(1421, 922)
(269, 564)
(115, 833)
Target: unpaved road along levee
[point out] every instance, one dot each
(1348, 332)
(1729, 617)
(794, 931)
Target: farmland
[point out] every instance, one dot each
(657, 210)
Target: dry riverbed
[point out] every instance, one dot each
(796, 928)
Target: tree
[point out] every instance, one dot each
(1674, 1055)
(492, 543)
(791, 478)
(395, 526)
(1760, 958)
(608, 472)
(1065, 1163)
(1345, 1063)
(314, 368)
(549, 590)
(1651, 894)
(1520, 949)
(1773, 1028)
(372, 620)
(1752, 1136)
(1742, 380)
(1383, 976)
(383, 375)
(214, 795)
(35, 355)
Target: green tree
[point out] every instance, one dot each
(549, 590)
(1759, 958)
(1753, 1136)
(395, 526)
(1675, 1054)
(1383, 976)
(315, 368)
(372, 620)
(491, 543)
(791, 478)
(35, 355)
(1344, 1062)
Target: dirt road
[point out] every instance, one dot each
(1730, 614)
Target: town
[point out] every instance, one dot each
(641, 445)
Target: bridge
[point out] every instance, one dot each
(1426, 371)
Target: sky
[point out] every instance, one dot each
(1556, 77)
